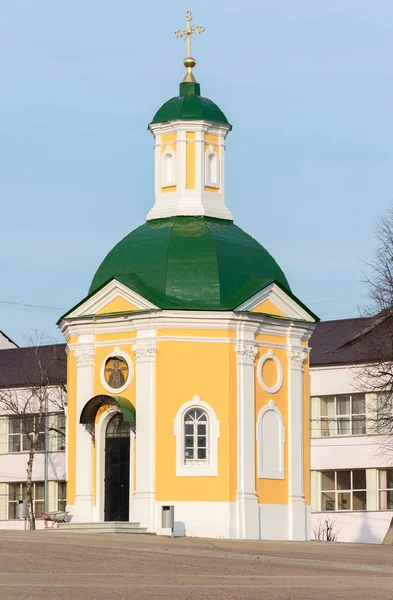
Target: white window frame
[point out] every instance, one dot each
(22, 495)
(384, 488)
(168, 181)
(191, 421)
(336, 491)
(336, 417)
(263, 474)
(204, 468)
(208, 178)
(59, 498)
(21, 434)
(56, 432)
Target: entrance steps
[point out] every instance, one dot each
(102, 527)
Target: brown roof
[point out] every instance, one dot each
(21, 367)
(349, 341)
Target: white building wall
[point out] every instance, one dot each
(367, 527)
(13, 467)
(336, 380)
(347, 452)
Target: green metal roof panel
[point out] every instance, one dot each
(190, 108)
(243, 256)
(196, 263)
(189, 105)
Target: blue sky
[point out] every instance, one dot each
(307, 86)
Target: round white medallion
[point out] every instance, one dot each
(280, 375)
(117, 371)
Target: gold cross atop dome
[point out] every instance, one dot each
(189, 62)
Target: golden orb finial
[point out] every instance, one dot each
(189, 62)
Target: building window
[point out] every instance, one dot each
(343, 415)
(168, 174)
(343, 490)
(197, 431)
(386, 489)
(56, 432)
(196, 437)
(20, 429)
(61, 495)
(212, 169)
(17, 491)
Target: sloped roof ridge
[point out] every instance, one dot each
(8, 338)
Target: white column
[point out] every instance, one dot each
(199, 163)
(83, 508)
(143, 505)
(372, 486)
(247, 510)
(181, 153)
(297, 517)
(157, 169)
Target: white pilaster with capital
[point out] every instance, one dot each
(297, 515)
(143, 505)
(82, 510)
(247, 512)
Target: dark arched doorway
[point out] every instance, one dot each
(117, 469)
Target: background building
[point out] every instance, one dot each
(24, 373)
(351, 458)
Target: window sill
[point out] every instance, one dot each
(344, 435)
(26, 452)
(196, 471)
(340, 512)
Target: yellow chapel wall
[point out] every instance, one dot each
(116, 305)
(190, 160)
(184, 370)
(272, 491)
(269, 308)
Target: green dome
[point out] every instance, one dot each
(190, 106)
(196, 263)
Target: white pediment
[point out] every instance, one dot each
(112, 291)
(285, 303)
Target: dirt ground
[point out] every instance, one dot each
(58, 566)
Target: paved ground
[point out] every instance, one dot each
(59, 566)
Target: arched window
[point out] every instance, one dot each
(271, 440)
(212, 169)
(117, 427)
(197, 431)
(196, 437)
(167, 169)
